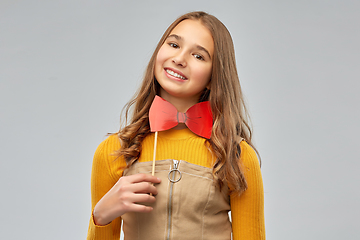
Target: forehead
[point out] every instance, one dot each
(193, 32)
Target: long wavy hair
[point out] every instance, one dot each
(231, 120)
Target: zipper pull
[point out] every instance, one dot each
(176, 163)
(172, 173)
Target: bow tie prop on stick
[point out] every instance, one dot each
(163, 116)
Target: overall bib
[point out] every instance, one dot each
(189, 205)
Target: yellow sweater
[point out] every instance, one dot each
(247, 210)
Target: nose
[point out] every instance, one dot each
(180, 59)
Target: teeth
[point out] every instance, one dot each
(172, 73)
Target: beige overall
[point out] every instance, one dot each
(189, 205)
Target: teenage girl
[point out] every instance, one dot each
(198, 179)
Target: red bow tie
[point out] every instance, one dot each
(163, 116)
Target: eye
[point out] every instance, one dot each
(199, 57)
(174, 45)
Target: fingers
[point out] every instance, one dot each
(116, 203)
(142, 187)
(138, 183)
(127, 195)
(141, 177)
(141, 198)
(136, 202)
(140, 208)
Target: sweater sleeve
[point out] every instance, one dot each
(247, 210)
(102, 180)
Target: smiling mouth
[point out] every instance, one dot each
(174, 74)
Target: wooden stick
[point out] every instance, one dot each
(154, 158)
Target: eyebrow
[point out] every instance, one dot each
(197, 46)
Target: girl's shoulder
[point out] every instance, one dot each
(106, 157)
(109, 145)
(248, 156)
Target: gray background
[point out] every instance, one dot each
(68, 67)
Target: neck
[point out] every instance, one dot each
(182, 104)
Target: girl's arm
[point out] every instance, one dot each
(112, 196)
(247, 210)
(102, 180)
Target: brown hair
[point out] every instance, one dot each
(226, 100)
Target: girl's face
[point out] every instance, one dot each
(184, 62)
